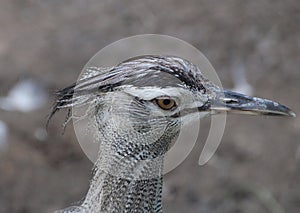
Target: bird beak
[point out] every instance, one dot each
(232, 102)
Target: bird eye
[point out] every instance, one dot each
(166, 103)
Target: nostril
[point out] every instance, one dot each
(230, 101)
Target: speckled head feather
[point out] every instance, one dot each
(149, 70)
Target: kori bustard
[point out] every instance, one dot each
(139, 106)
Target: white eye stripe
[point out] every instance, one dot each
(150, 93)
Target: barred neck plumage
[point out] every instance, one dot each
(128, 172)
(109, 193)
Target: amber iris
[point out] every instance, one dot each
(166, 103)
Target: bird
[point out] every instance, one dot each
(138, 107)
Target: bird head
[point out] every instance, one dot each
(151, 96)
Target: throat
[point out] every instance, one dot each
(129, 169)
(124, 193)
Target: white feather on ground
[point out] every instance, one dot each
(27, 95)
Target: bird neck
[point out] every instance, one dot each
(128, 173)
(109, 193)
(125, 184)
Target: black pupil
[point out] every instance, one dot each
(167, 102)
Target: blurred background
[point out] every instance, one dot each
(254, 47)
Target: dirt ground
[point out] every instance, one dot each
(257, 166)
